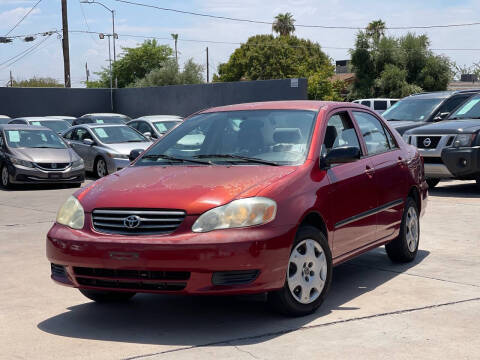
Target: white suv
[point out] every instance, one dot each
(379, 105)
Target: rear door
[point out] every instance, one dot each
(390, 171)
(353, 194)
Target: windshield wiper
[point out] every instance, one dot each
(172, 158)
(395, 120)
(239, 157)
(135, 141)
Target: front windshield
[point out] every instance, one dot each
(164, 126)
(469, 110)
(58, 126)
(109, 120)
(272, 137)
(117, 134)
(412, 109)
(34, 139)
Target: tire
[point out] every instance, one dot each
(76, 185)
(99, 169)
(289, 299)
(432, 183)
(5, 177)
(101, 296)
(405, 247)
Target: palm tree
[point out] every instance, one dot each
(283, 24)
(376, 30)
(175, 38)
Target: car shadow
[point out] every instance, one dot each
(215, 320)
(456, 189)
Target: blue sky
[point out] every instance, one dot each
(46, 59)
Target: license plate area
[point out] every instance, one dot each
(54, 176)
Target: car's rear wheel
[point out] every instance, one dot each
(107, 296)
(100, 167)
(5, 175)
(405, 247)
(309, 274)
(432, 183)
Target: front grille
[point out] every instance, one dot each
(432, 160)
(131, 274)
(131, 285)
(137, 221)
(53, 166)
(59, 273)
(234, 277)
(428, 142)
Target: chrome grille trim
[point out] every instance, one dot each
(151, 222)
(48, 166)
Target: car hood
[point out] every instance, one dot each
(449, 127)
(402, 126)
(194, 189)
(125, 148)
(40, 155)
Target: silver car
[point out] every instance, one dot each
(57, 125)
(4, 119)
(69, 119)
(155, 126)
(36, 154)
(105, 148)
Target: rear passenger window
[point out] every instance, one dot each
(373, 133)
(339, 132)
(380, 105)
(366, 103)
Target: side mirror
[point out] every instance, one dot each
(88, 142)
(147, 134)
(441, 116)
(135, 153)
(341, 155)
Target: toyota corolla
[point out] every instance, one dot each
(273, 196)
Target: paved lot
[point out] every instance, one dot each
(429, 309)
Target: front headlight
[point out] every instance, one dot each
(237, 214)
(16, 161)
(463, 140)
(77, 163)
(71, 214)
(117, 156)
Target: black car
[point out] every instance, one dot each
(451, 148)
(101, 118)
(421, 109)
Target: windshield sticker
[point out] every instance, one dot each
(14, 136)
(421, 117)
(101, 133)
(36, 123)
(99, 121)
(468, 107)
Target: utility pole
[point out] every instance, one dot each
(86, 71)
(208, 70)
(175, 38)
(11, 79)
(66, 51)
(110, 61)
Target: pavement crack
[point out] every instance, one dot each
(26, 208)
(35, 222)
(308, 327)
(246, 352)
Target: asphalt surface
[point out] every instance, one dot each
(428, 309)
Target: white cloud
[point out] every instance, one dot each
(9, 18)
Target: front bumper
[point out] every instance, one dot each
(26, 175)
(462, 162)
(116, 164)
(262, 250)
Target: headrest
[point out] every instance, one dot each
(287, 136)
(330, 136)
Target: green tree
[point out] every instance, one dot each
(37, 82)
(134, 64)
(375, 30)
(284, 24)
(170, 74)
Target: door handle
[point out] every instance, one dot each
(369, 171)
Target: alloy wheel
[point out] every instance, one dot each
(5, 176)
(412, 227)
(101, 168)
(307, 271)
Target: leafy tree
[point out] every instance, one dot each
(284, 24)
(170, 74)
(395, 67)
(134, 64)
(37, 82)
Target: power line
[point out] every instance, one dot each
(85, 19)
(22, 54)
(23, 18)
(296, 25)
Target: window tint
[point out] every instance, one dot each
(452, 103)
(339, 132)
(373, 133)
(143, 127)
(17, 122)
(470, 109)
(68, 135)
(366, 103)
(133, 124)
(393, 102)
(380, 105)
(117, 134)
(81, 134)
(412, 108)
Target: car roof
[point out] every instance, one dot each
(4, 117)
(22, 127)
(442, 94)
(95, 125)
(311, 105)
(160, 117)
(36, 118)
(60, 117)
(105, 114)
(370, 99)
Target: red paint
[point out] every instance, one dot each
(337, 194)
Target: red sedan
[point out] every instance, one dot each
(261, 197)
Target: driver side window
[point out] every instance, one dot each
(339, 133)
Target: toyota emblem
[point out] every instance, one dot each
(427, 142)
(131, 222)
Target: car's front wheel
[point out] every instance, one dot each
(405, 247)
(107, 296)
(5, 177)
(100, 167)
(308, 277)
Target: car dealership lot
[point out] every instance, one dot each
(427, 309)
